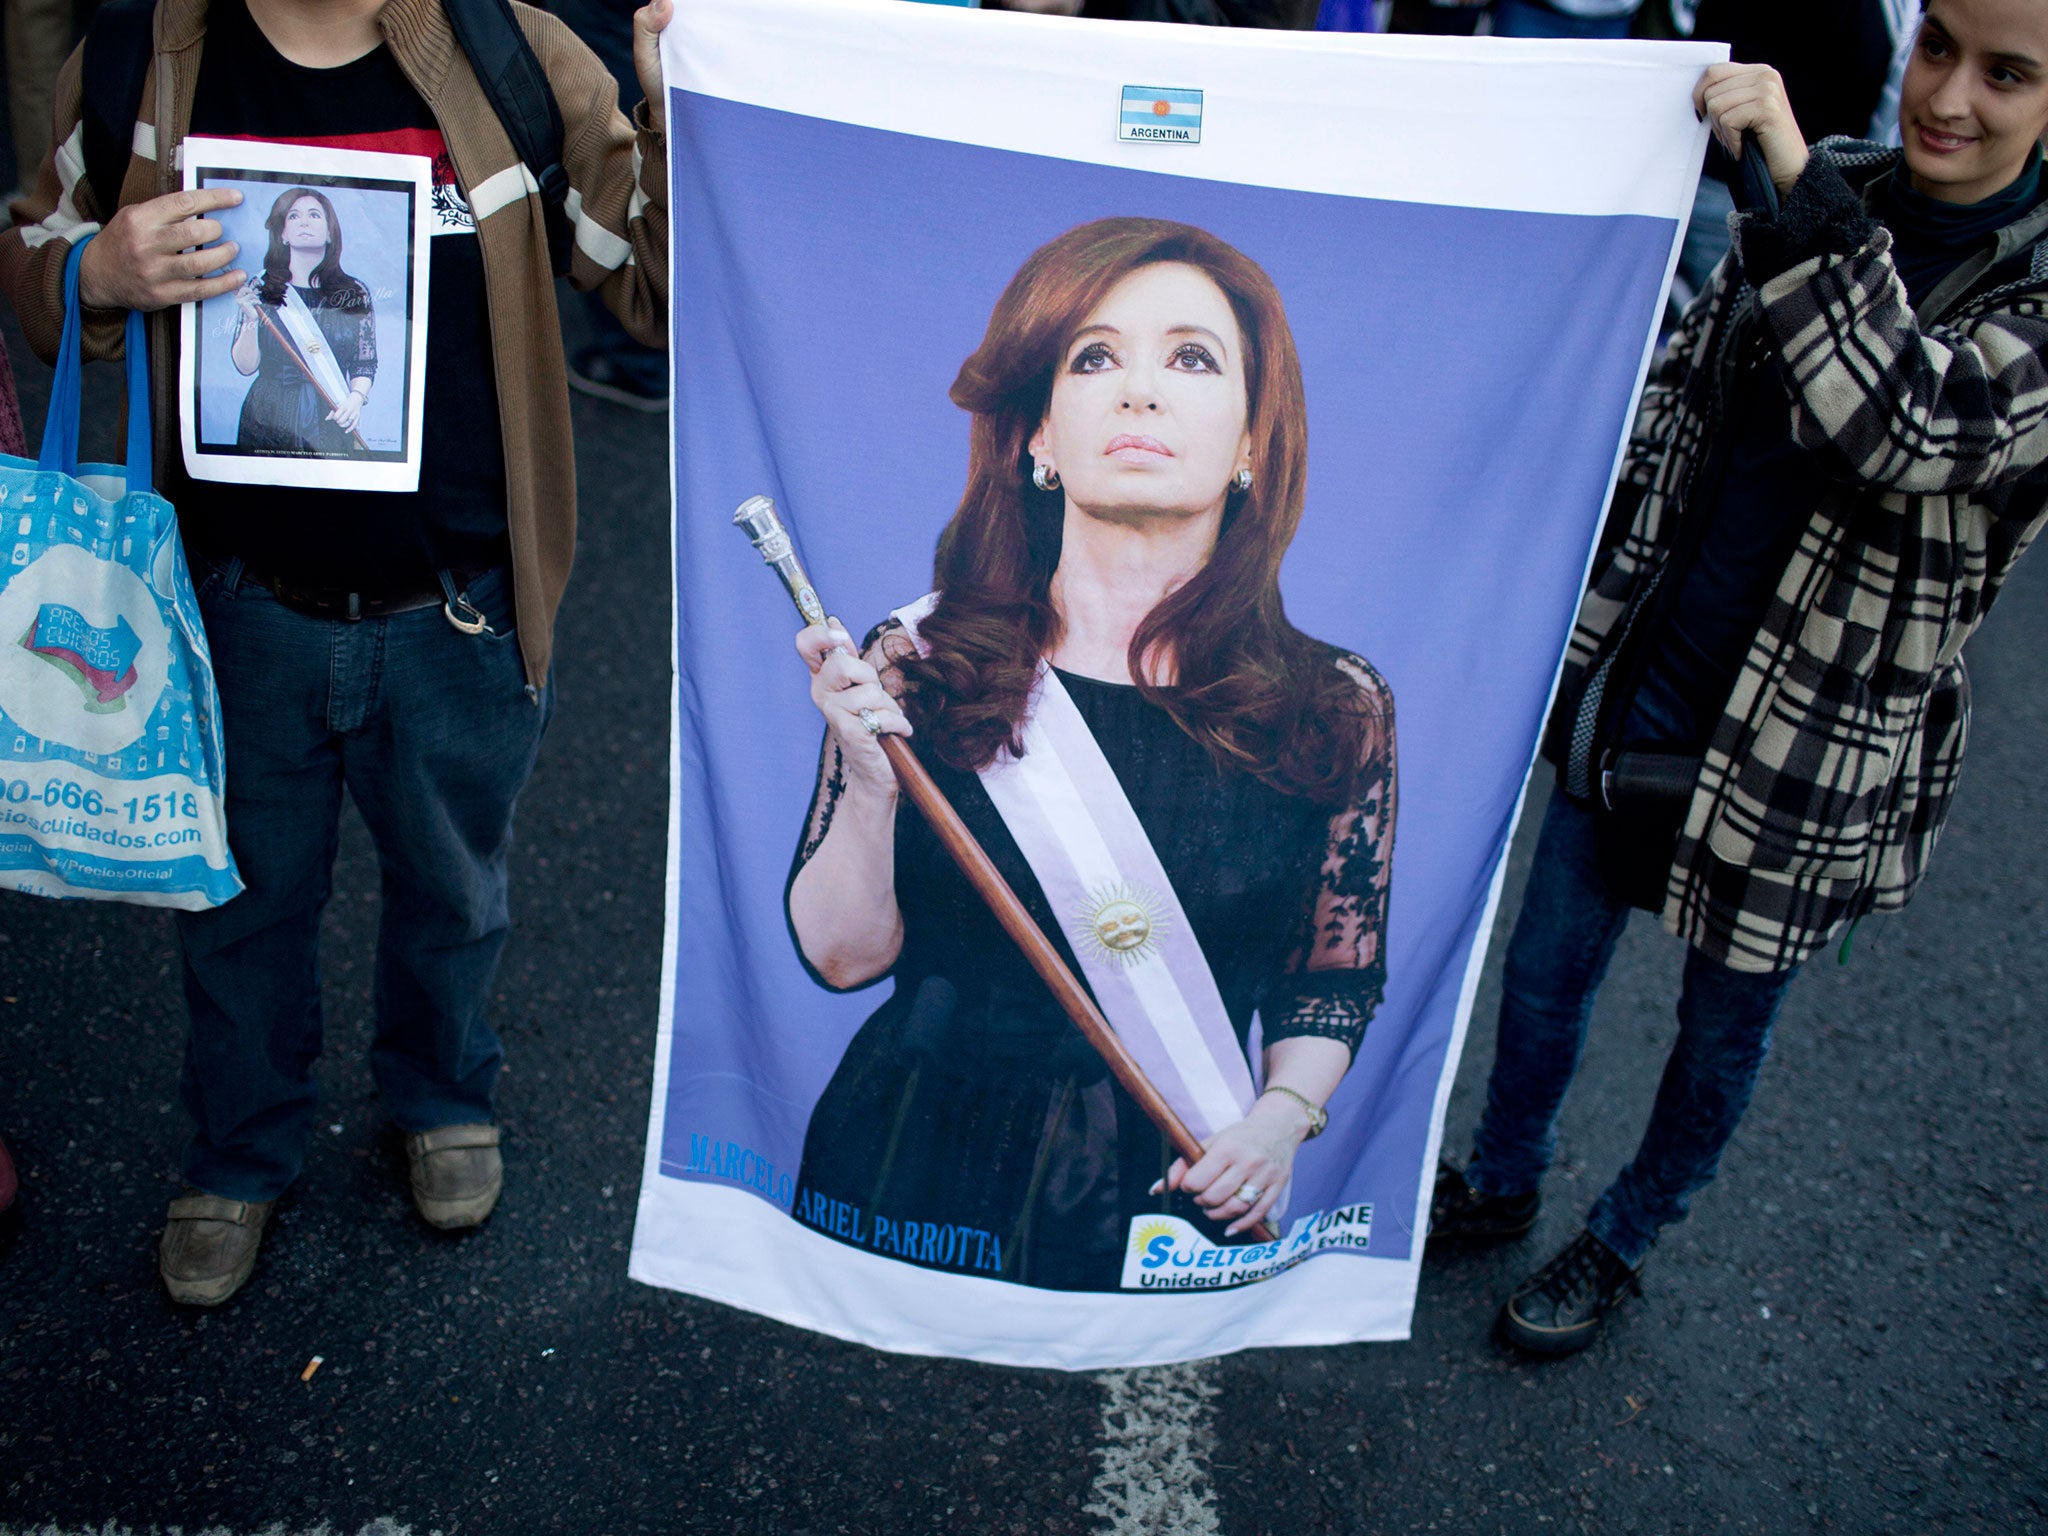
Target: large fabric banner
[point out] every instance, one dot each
(1203, 435)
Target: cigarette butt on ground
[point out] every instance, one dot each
(312, 1365)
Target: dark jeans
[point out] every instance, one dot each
(433, 734)
(1564, 938)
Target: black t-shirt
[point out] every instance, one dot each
(1761, 488)
(374, 542)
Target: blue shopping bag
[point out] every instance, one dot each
(110, 744)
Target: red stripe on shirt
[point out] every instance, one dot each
(388, 141)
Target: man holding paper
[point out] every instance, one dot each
(396, 643)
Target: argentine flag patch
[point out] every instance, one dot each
(1170, 114)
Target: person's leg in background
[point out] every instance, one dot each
(10, 1204)
(39, 40)
(611, 365)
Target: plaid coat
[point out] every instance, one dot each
(1835, 759)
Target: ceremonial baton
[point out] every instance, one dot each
(758, 520)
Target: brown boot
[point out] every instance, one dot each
(209, 1246)
(456, 1174)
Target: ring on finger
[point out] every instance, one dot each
(1249, 1193)
(872, 721)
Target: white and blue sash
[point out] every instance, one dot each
(1102, 877)
(312, 345)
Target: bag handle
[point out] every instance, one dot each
(60, 428)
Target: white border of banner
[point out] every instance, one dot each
(742, 1250)
(1016, 82)
(748, 1254)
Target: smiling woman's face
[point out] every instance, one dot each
(1975, 96)
(305, 225)
(1148, 408)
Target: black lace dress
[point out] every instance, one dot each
(284, 411)
(970, 1126)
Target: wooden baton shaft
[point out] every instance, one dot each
(758, 519)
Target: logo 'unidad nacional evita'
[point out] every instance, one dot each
(1165, 1253)
(1161, 114)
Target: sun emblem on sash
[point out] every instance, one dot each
(1121, 923)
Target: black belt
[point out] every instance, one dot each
(352, 607)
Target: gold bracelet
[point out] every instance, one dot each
(1318, 1117)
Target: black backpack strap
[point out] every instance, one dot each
(511, 76)
(118, 45)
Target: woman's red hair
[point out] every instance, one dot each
(1258, 694)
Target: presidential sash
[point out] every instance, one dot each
(1099, 871)
(311, 342)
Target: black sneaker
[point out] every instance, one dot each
(1458, 1213)
(1559, 1309)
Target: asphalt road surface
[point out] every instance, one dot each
(1847, 1336)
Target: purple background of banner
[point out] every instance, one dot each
(1467, 370)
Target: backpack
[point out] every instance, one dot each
(121, 40)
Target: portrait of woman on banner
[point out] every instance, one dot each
(1195, 800)
(307, 331)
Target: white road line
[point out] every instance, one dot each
(1157, 1436)
(382, 1527)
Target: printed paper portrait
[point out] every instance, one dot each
(312, 373)
(893, 331)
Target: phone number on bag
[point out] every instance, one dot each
(64, 794)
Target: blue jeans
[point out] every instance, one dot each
(1531, 18)
(433, 733)
(1564, 938)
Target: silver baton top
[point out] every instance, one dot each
(757, 519)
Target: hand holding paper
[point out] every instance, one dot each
(146, 257)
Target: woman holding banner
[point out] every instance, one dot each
(1764, 707)
(1195, 800)
(308, 332)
